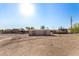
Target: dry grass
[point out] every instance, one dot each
(22, 44)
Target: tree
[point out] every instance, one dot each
(60, 28)
(47, 27)
(28, 28)
(31, 27)
(75, 28)
(42, 27)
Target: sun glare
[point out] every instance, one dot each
(26, 9)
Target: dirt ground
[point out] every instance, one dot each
(24, 45)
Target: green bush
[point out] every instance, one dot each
(75, 28)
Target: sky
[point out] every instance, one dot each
(52, 15)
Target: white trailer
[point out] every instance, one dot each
(40, 32)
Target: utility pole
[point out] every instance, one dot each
(71, 22)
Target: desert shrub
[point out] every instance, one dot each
(13, 31)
